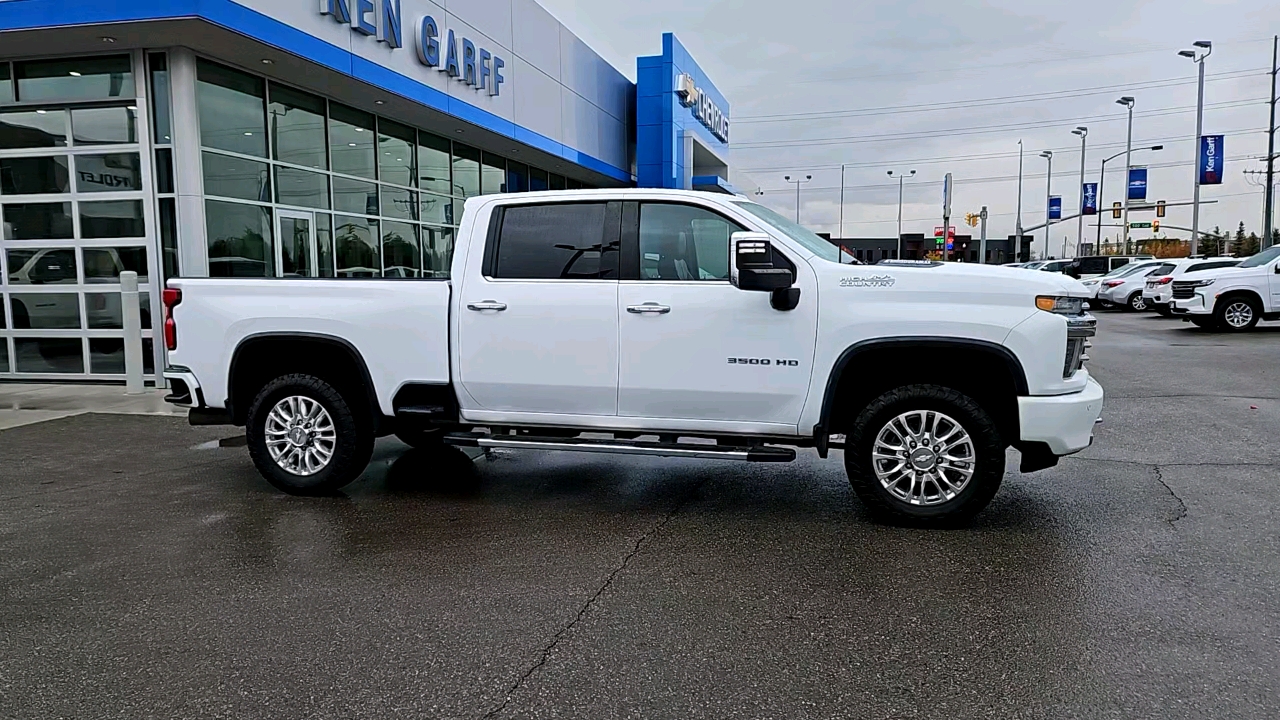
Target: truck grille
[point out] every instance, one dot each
(1184, 289)
(1079, 331)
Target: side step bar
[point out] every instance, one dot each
(758, 453)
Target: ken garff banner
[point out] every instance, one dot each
(1138, 183)
(1055, 208)
(1211, 159)
(1089, 199)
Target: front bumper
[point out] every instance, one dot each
(1195, 305)
(1065, 423)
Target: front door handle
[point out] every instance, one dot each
(649, 308)
(487, 305)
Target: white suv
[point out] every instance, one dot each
(1233, 298)
(1124, 289)
(1158, 294)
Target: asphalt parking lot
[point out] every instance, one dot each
(146, 571)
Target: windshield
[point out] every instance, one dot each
(1262, 258)
(1128, 270)
(799, 233)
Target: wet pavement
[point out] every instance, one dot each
(146, 571)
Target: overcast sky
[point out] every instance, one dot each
(931, 85)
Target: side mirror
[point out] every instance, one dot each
(753, 269)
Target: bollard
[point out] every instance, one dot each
(132, 316)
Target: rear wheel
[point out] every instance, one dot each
(304, 438)
(1164, 311)
(423, 439)
(925, 455)
(1136, 303)
(1237, 314)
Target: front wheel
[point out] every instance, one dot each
(925, 454)
(1237, 314)
(304, 438)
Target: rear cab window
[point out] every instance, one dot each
(554, 241)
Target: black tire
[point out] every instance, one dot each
(352, 445)
(1135, 303)
(988, 452)
(1228, 312)
(421, 439)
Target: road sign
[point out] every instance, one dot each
(1136, 225)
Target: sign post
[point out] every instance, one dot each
(982, 251)
(946, 214)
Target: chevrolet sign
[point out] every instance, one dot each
(703, 108)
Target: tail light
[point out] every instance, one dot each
(171, 296)
(1165, 280)
(1113, 283)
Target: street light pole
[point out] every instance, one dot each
(1083, 132)
(1102, 182)
(1207, 47)
(901, 178)
(1017, 240)
(1128, 102)
(1048, 195)
(841, 231)
(798, 183)
(1269, 202)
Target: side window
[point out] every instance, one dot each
(1119, 262)
(556, 241)
(683, 242)
(1093, 266)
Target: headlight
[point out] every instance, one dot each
(1201, 283)
(1060, 305)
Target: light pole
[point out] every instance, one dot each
(901, 178)
(1128, 102)
(1048, 195)
(1102, 181)
(1083, 132)
(840, 232)
(1203, 50)
(1017, 240)
(798, 183)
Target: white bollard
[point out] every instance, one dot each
(132, 315)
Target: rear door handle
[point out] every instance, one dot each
(487, 305)
(649, 308)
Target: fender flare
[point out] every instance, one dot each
(332, 340)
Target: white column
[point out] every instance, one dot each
(155, 254)
(193, 250)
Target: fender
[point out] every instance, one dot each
(332, 340)
(820, 433)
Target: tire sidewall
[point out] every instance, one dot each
(989, 451)
(352, 449)
(1136, 303)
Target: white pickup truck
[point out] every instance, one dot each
(650, 322)
(1231, 298)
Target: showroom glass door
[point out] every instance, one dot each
(74, 199)
(296, 251)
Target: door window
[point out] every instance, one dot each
(556, 241)
(683, 242)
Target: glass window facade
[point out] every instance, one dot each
(74, 203)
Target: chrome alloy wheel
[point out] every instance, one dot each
(923, 457)
(1238, 314)
(300, 435)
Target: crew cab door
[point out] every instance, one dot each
(537, 315)
(693, 346)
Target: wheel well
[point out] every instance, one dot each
(260, 359)
(1250, 294)
(986, 372)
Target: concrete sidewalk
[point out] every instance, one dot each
(27, 403)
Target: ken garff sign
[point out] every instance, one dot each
(1138, 183)
(712, 117)
(1211, 159)
(475, 66)
(1089, 199)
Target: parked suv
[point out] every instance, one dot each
(1232, 298)
(1158, 294)
(1091, 266)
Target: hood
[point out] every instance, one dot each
(1037, 281)
(1218, 273)
(955, 282)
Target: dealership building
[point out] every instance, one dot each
(286, 138)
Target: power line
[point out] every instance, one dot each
(970, 130)
(1003, 100)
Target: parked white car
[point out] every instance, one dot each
(1158, 293)
(1125, 288)
(1231, 298)
(637, 312)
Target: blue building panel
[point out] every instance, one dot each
(659, 77)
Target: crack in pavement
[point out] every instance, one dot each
(582, 612)
(1168, 464)
(1182, 506)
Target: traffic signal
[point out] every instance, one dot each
(1155, 226)
(1115, 210)
(971, 219)
(1159, 208)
